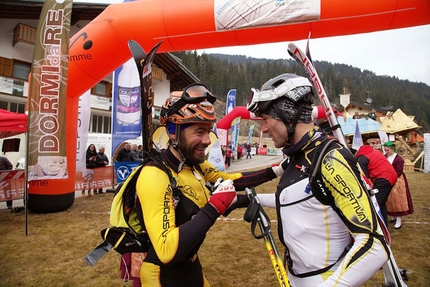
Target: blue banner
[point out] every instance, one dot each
(124, 168)
(231, 101)
(235, 124)
(126, 110)
(251, 129)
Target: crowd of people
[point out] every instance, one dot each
(130, 152)
(93, 159)
(244, 149)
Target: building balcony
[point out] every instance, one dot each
(23, 33)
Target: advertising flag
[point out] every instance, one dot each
(51, 140)
(46, 146)
(126, 110)
(235, 124)
(251, 129)
(231, 101)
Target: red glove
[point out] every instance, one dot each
(224, 196)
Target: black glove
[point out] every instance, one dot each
(242, 201)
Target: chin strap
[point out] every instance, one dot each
(290, 129)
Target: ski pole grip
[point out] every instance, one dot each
(252, 210)
(255, 215)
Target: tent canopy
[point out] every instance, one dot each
(398, 122)
(12, 123)
(365, 125)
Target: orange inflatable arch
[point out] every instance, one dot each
(102, 45)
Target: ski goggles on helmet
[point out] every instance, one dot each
(260, 100)
(193, 94)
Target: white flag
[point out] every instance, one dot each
(357, 141)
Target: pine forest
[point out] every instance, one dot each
(224, 72)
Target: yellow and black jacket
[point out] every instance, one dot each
(177, 222)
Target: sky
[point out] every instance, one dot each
(403, 53)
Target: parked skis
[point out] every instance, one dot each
(391, 272)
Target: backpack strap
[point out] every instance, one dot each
(319, 189)
(323, 195)
(322, 270)
(160, 161)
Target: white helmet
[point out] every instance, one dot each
(291, 86)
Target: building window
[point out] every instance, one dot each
(106, 125)
(103, 88)
(3, 105)
(21, 70)
(12, 106)
(156, 112)
(100, 124)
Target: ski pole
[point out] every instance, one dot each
(255, 214)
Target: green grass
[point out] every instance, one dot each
(53, 252)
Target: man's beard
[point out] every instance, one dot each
(188, 153)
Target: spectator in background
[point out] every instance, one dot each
(140, 150)
(91, 162)
(381, 173)
(5, 164)
(248, 150)
(134, 154)
(125, 153)
(228, 153)
(102, 160)
(239, 151)
(399, 202)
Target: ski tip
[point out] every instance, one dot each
(292, 46)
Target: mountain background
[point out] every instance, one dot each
(220, 73)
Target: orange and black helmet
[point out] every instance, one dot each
(194, 105)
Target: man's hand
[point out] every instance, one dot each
(223, 196)
(242, 201)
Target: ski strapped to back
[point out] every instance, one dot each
(144, 66)
(391, 272)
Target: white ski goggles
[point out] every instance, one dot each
(257, 97)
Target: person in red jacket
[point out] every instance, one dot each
(228, 154)
(380, 171)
